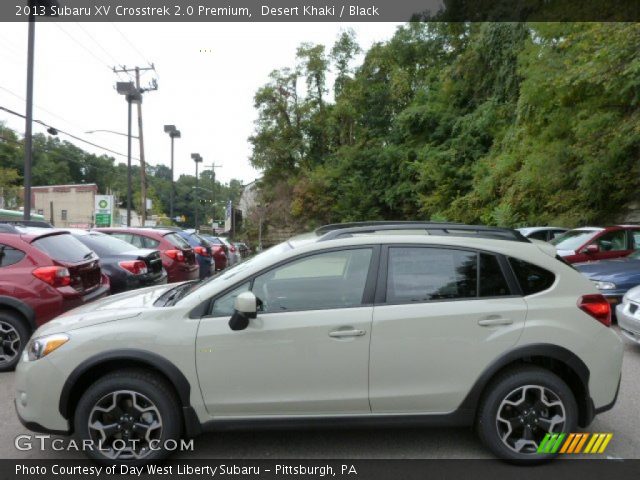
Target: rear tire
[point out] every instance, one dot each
(122, 413)
(14, 335)
(519, 408)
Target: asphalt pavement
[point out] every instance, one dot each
(451, 443)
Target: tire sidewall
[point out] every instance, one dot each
(167, 406)
(500, 389)
(23, 333)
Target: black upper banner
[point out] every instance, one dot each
(320, 11)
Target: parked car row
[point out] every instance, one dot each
(608, 256)
(45, 272)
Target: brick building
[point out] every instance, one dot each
(65, 205)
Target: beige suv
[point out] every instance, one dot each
(353, 324)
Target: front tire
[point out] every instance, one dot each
(519, 408)
(128, 417)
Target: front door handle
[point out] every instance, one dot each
(494, 320)
(346, 333)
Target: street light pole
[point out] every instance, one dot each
(28, 130)
(173, 133)
(196, 158)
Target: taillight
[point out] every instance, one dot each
(137, 267)
(201, 251)
(176, 255)
(54, 276)
(596, 306)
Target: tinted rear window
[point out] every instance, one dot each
(105, 245)
(177, 241)
(63, 248)
(532, 279)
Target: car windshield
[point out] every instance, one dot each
(171, 296)
(105, 245)
(573, 239)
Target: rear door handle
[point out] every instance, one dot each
(346, 333)
(493, 321)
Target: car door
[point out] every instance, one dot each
(306, 353)
(442, 315)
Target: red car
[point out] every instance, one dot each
(178, 258)
(43, 273)
(595, 243)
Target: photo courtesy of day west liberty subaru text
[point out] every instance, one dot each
(317, 10)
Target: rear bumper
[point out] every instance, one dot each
(71, 302)
(183, 272)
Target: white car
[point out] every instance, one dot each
(628, 315)
(356, 324)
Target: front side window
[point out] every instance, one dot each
(418, 274)
(9, 255)
(613, 241)
(225, 305)
(321, 281)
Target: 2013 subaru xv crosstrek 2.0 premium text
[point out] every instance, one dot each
(354, 324)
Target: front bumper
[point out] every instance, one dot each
(38, 386)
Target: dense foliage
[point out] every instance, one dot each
(498, 123)
(57, 162)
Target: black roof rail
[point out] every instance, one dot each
(337, 230)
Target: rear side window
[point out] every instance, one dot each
(63, 248)
(492, 281)
(9, 255)
(150, 242)
(532, 279)
(177, 241)
(425, 274)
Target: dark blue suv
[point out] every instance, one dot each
(202, 249)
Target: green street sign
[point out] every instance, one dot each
(103, 219)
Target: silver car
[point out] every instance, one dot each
(628, 314)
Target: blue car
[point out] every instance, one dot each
(613, 277)
(202, 249)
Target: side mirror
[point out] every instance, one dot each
(246, 307)
(592, 248)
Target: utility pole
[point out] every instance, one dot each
(213, 191)
(143, 165)
(197, 159)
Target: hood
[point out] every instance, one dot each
(109, 309)
(603, 268)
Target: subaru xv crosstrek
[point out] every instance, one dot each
(353, 324)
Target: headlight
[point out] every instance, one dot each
(605, 285)
(43, 346)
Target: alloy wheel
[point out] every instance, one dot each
(125, 424)
(526, 415)
(10, 342)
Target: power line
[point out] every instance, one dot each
(81, 45)
(96, 42)
(75, 137)
(130, 43)
(19, 97)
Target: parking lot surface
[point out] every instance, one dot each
(623, 421)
